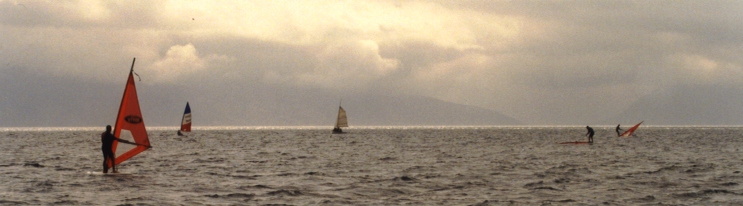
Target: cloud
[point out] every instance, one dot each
(346, 64)
(181, 61)
(541, 62)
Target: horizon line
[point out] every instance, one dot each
(211, 128)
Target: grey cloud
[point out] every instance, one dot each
(568, 62)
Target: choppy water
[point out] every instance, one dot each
(414, 166)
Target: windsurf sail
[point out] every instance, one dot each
(129, 124)
(341, 121)
(630, 131)
(186, 121)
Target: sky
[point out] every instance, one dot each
(540, 62)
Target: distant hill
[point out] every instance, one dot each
(33, 101)
(419, 110)
(321, 110)
(687, 105)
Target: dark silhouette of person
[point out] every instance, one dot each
(107, 140)
(619, 130)
(590, 134)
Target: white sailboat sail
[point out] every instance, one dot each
(342, 120)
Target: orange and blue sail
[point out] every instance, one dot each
(130, 124)
(186, 121)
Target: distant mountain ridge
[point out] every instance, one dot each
(84, 103)
(362, 110)
(709, 105)
(420, 110)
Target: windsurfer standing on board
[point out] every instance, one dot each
(589, 134)
(108, 154)
(619, 130)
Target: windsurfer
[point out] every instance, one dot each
(107, 140)
(590, 134)
(619, 130)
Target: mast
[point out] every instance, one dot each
(123, 97)
(132, 69)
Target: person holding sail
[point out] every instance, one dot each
(619, 130)
(590, 134)
(107, 140)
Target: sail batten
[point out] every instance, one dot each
(129, 124)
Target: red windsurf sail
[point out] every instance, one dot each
(129, 124)
(630, 131)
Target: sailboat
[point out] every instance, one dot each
(630, 131)
(342, 121)
(129, 124)
(186, 121)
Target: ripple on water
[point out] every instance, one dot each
(423, 166)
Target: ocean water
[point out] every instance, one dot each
(379, 166)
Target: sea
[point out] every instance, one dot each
(477, 165)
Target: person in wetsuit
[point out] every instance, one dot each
(107, 140)
(619, 130)
(590, 134)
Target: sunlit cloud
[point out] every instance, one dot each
(508, 56)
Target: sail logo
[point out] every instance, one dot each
(133, 119)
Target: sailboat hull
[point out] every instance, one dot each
(338, 131)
